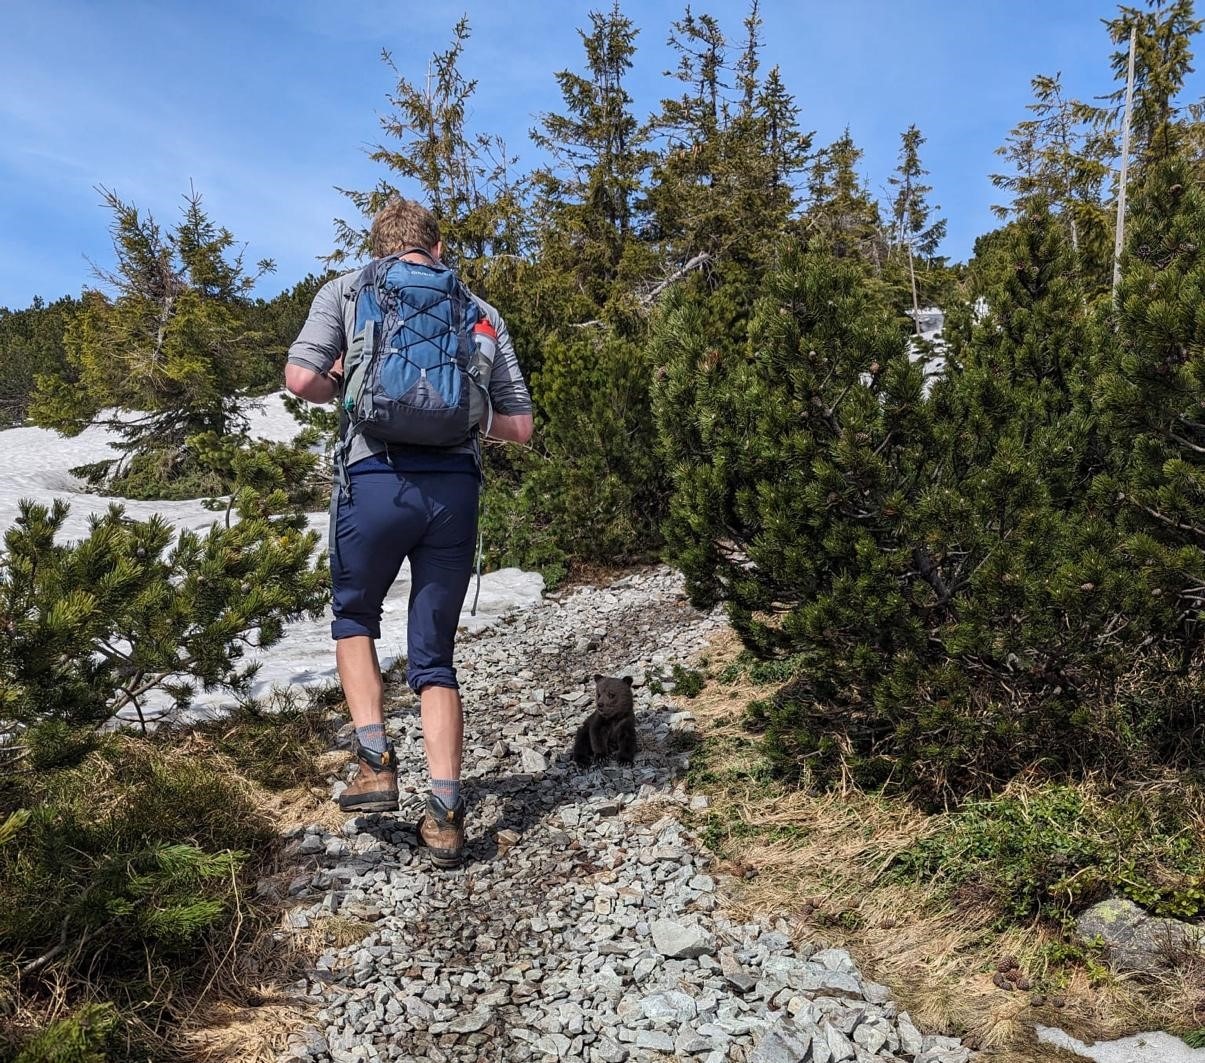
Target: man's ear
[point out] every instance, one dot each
(438, 249)
(627, 679)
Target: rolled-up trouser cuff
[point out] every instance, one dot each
(345, 628)
(438, 676)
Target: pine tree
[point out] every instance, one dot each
(772, 448)
(90, 629)
(169, 350)
(1150, 393)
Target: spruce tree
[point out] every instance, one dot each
(587, 197)
(595, 490)
(732, 153)
(464, 177)
(840, 209)
(1061, 161)
(1163, 61)
(165, 354)
(31, 342)
(912, 232)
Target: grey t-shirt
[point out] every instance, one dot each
(332, 320)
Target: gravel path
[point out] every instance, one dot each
(585, 924)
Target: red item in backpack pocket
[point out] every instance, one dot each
(484, 328)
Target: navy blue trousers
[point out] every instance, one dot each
(388, 515)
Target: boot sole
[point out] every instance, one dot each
(445, 863)
(372, 805)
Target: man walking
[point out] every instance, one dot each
(397, 501)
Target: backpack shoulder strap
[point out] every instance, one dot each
(425, 252)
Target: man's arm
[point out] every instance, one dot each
(511, 427)
(318, 349)
(508, 391)
(308, 385)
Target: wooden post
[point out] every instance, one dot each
(1119, 243)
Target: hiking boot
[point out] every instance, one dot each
(441, 829)
(374, 789)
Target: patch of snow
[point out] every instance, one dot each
(1142, 1048)
(932, 348)
(36, 468)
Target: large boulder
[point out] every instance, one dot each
(1135, 940)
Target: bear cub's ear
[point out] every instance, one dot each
(598, 678)
(627, 679)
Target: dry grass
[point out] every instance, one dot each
(241, 1010)
(228, 1033)
(819, 860)
(248, 1019)
(253, 1024)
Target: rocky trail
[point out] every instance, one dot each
(586, 923)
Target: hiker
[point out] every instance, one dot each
(407, 479)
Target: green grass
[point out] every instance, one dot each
(1056, 849)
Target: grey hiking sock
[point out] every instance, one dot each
(447, 790)
(373, 737)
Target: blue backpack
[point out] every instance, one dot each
(411, 370)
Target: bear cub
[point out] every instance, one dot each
(610, 730)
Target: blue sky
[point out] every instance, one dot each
(267, 106)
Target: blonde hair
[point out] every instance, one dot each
(402, 224)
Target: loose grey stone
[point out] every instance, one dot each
(784, 1042)
(533, 760)
(676, 941)
(311, 844)
(773, 941)
(875, 993)
(608, 1050)
(556, 1045)
(470, 1023)
(668, 1007)
(911, 1042)
(827, 983)
(840, 1047)
(834, 960)
(870, 1037)
(655, 1040)
(691, 1044)
(735, 973)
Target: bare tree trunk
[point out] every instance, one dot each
(915, 301)
(1119, 243)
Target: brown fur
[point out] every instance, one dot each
(610, 730)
